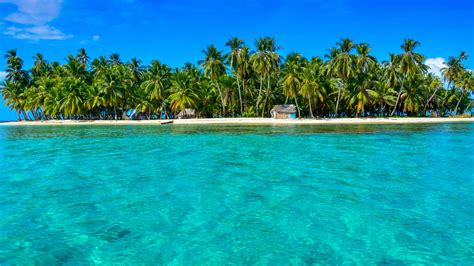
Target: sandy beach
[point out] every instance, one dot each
(262, 121)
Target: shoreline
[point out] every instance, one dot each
(248, 121)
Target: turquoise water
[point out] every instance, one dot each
(368, 194)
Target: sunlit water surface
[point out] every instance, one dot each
(367, 194)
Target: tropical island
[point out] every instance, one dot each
(241, 82)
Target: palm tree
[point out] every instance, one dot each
(342, 65)
(95, 100)
(114, 59)
(364, 60)
(182, 92)
(72, 104)
(16, 81)
(454, 73)
(227, 84)
(214, 68)
(34, 97)
(156, 82)
(99, 65)
(435, 84)
(235, 44)
(74, 68)
(243, 66)
(466, 83)
(12, 96)
(363, 92)
(348, 82)
(409, 63)
(412, 97)
(136, 68)
(391, 71)
(260, 65)
(386, 96)
(52, 100)
(15, 72)
(264, 62)
(292, 79)
(321, 83)
(309, 83)
(39, 65)
(82, 56)
(110, 86)
(273, 59)
(451, 70)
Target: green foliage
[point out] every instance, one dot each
(239, 82)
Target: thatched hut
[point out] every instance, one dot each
(187, 113)
(434, 114)
(284, 111)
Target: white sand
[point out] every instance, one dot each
(269, 121)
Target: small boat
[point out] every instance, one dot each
(166, 122)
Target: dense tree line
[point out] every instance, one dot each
(348, 82)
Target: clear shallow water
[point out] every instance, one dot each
(368, 194)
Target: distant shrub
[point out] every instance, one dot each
(250, 112)
(461, 116)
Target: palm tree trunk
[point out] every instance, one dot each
(429, 100)
(38, 114)
(161, 109)
(396, 103)
(398, 99)
(164, 108)
(266, 96)
(457, 105)
(243, 90)
(26, 116)
(359, 110)
(338, 98)
(259, 93)
(34, 114)
(310, 108)
(297, 107)
(240, 95)
(222, 98)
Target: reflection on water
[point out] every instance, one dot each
(91, 131)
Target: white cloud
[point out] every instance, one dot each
(95, 38)
(435, 65)
(31, 20)
(3, 74)
(34, 12)
(43, 32)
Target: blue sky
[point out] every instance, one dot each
(176, 31)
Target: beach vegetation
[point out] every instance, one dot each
(239, 81)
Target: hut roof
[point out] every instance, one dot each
(284, 108)
(187, 112)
